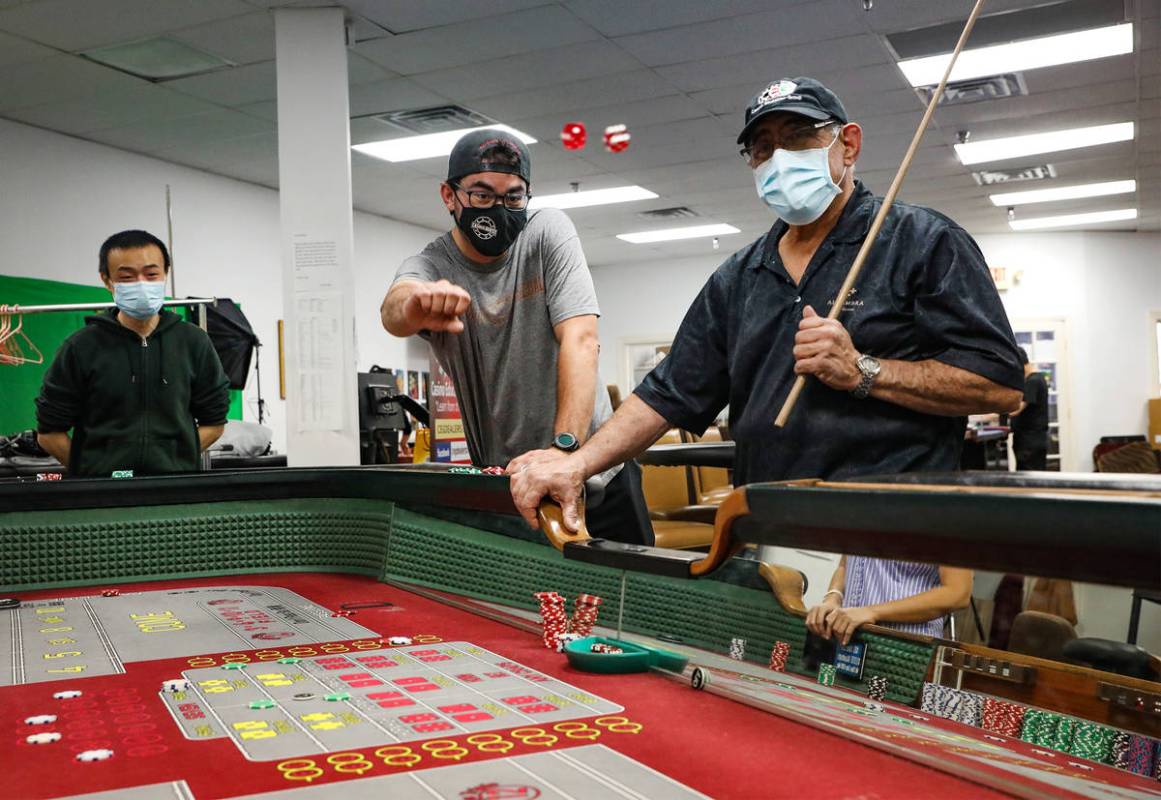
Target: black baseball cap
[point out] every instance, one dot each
(803, 95)
(467, 156)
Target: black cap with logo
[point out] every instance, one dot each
(477, 151)
(804, 96)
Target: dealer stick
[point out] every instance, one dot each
(888, 200)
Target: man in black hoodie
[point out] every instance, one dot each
(139, 388)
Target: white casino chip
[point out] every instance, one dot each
(95, 755)
(399, 640)
(175, 685)
(43, 738)
(67, 695)
(43, 719)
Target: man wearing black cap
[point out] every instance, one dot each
(507, 302)
(922, 342)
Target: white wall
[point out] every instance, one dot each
(1104, 284)
(61, 197)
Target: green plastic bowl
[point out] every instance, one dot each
(634, 658)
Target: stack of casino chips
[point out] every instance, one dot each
(1002, 717)
(738, 649)
(826, 674)
(779, 656)
(1141, 755)
(563, 639)
(877, 688)
(1092, 741)
(553, 615)
(1039, 727)
(584, 615)
(492, 471)
(954, 704)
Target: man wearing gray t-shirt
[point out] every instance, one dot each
(507, 302)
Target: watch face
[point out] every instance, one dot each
(869, 365)
(565, 441)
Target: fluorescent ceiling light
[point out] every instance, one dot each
(671, 234)
(1064, 193)
(1069, 220)
(1044, 51)
(1049, 142)
(429, 145)
(591, 197)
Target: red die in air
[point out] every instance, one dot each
(616, 138)
(573, 135)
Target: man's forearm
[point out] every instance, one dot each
(576, 385)
(58, 445)
(208, 434)
(391, 311)
(920, 607)
(628, 432)
(932, 387)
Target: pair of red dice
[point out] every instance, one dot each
(574, 136)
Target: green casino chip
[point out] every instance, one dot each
(258, 705)
(289, 660)
(338, 697)
(233, 666)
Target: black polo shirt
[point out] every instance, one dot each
(925, 292)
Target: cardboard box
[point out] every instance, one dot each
(1155, 422)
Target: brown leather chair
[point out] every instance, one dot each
(1035, 633)
(711, 485)
(667, 495)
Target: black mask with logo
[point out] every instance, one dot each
(491, 230)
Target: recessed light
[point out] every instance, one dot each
(1043, 51)
(1064, 193)
(591, 197)
(671, 234)
(158, 59)
(1071, 220)
(1048, 142)
(429, 145)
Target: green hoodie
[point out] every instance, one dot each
(133, 403)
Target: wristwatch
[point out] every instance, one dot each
(869, 366)
(566, 442)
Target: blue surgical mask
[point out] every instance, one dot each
(140, 299)
(797, 183)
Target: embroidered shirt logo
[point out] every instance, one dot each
(484, 227)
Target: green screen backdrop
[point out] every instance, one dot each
(19, 385)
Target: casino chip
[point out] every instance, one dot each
(304, 696)
(399, 640)
(699, 678)
(291, 660)
(175, 685)
(42, 719)
(9, 602)
(111, 593)
(738, 649)
(259, 705)
(337, 697)
(95, 755)
(233, 665)
(68, 694)
(43, 738)
(563, 639)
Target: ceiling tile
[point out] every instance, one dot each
(14, 50)
(362, 70)
(484, 39)
(152, 137)
(400, 16)
(59, 79)
(762, 31)
(766, 65)
(232, 87)
(83, 24)
(576, 96)
(247, 39)
(113, 109)
(530, 70)
(618, 18)
(394, 94)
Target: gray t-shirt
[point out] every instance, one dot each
(504, 362)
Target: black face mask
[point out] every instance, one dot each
(491, 230)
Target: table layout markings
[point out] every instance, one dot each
(599, 777)
(415, 777)
(17, 648)
(541, 779)
(258, 685)
(103, 637)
